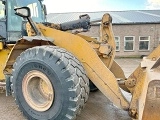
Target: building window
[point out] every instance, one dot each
(129, 43)
(117, 41)
(144, 43)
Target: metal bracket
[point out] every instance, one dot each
(8, 85)
(130, 83)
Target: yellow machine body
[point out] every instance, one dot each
(4, 55)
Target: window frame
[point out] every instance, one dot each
(133, 43)
(145, 40)
(119, 43)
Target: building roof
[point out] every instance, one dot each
(119, 17)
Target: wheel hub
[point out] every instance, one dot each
(37, 90)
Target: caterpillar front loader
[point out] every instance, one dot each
(48, 68)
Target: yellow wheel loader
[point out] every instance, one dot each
(47, 68)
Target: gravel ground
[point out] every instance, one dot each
(98, 106)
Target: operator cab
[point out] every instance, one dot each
(12, 26)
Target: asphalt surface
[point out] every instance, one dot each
(98, 106)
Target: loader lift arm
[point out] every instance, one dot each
(97, 71)
(100, 74)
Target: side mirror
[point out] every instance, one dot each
(45, 9)
(23, 12)
(3, 2)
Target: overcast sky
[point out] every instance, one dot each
(61, 6)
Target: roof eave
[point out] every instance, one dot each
(136, 23)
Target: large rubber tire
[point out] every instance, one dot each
(66, 74)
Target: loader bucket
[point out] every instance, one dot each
(152, 104)
(150, 108)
